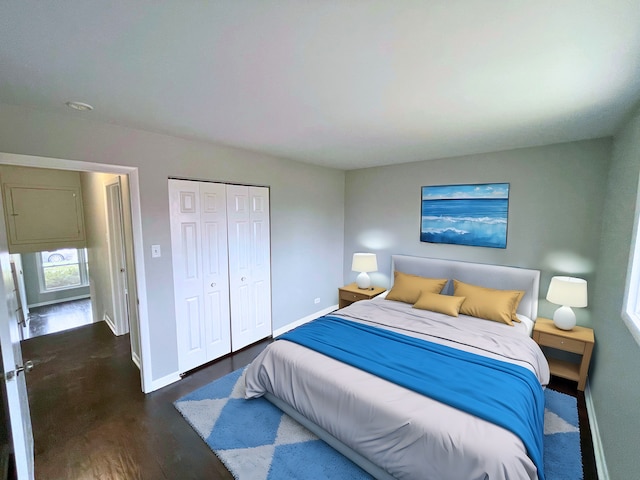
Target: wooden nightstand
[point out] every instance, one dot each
(580, 340)
(351, 293)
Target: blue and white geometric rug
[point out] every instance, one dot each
(257, 441)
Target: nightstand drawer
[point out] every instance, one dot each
(566, 344)
(352, 297)
(351, 293)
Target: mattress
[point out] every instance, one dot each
(408, 435)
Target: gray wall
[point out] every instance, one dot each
(555, 207)
(93, 199)
(615, 373)
(307, 209)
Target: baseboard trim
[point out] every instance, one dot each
(59, 300)
(110, 323)
(304, 320)
(598, 450)
(136, 359)
(162, 382)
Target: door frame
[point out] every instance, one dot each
(146, 378)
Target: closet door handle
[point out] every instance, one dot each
(243, 279)
(213, 284)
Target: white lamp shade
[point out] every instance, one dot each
(568, 291)
(364, 262)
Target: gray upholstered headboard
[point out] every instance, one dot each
(491, 276)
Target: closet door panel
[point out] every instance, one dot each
(239, 242)
(213, 216)
(216, 332)
(189, 237)
(193, 310)
(187, 273)
(249, 264)
(241, 320)
(259, 201)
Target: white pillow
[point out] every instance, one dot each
(527, 321)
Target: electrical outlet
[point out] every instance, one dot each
(316, 301)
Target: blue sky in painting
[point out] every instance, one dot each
(489, 190)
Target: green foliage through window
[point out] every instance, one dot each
(62, 269)
(61, 277)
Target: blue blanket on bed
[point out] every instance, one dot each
(502, 393)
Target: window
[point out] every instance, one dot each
(631, 308)
(63, 269)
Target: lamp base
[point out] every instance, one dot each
(564, 318)
(363, 281)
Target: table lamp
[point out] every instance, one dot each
(363, 263)
(568, 292)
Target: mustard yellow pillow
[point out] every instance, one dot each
(407, 288)
(514, 315)
(435, 302)
(488, 303)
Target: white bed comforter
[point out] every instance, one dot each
(405, 433)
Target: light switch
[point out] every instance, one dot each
(155, 251)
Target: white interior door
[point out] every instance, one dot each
(200, 275)
(12, 375)
(249, 264)
(117, 259)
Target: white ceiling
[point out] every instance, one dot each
(341, 83)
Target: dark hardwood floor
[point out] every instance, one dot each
(58, 317)
(92, 421)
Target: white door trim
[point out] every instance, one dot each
(136, 220)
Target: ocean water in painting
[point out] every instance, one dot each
(471, 220)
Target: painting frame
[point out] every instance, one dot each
(474, 214)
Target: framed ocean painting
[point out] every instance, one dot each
(465, 214)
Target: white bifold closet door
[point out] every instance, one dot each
(249, 264)
(221, 268)
(200, 271)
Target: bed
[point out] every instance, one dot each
(385, 426)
